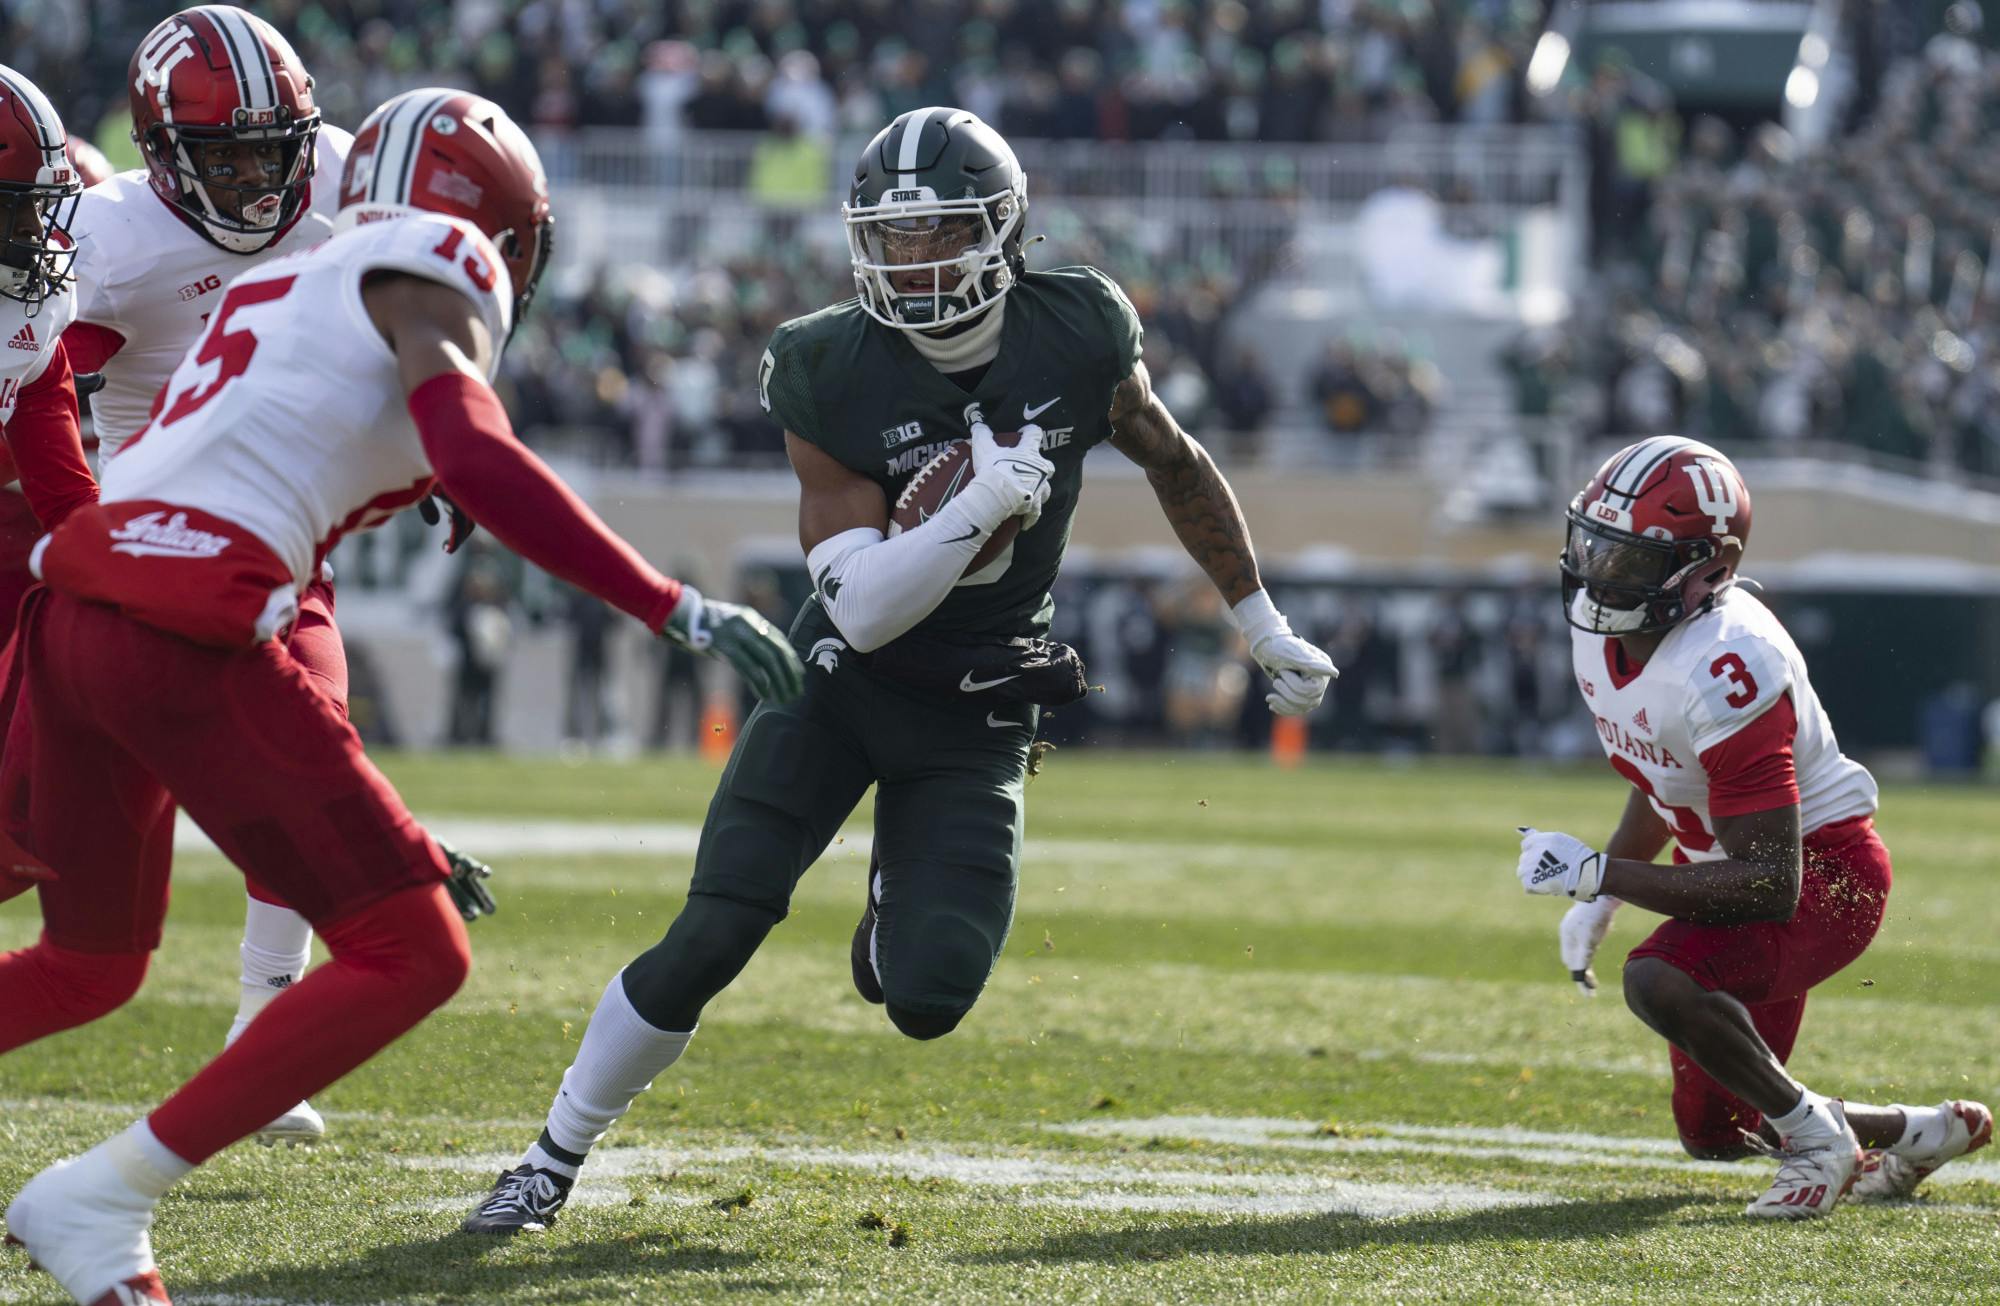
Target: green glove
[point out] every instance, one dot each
(467, 883)
(737, 635)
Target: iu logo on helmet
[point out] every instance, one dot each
(156, 61)
(1714, 491)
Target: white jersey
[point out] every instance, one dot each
(288, 417)
(28, 342)
(1711, 677)
(143, 272)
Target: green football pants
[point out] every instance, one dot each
(948, 777)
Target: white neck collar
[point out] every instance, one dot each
(975, 346)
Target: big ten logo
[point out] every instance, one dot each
(908, 431)
(196, 289)
(172, 43)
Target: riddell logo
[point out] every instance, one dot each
(25, 339)
(156, 535)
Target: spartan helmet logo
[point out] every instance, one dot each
(826, 654)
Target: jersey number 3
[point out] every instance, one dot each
(1731, 666)
(229, 350)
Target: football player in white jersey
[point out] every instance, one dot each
(331, 389)
(239, 170)
(1778, 881)
(39, 186)
(38, 194)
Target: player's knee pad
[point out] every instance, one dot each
(80, 987)
(923, 1025)
(938, 962)
(705, 948)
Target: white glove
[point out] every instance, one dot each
(1558, 863)
(1299, 672)
(1019, 477)
(1583, 928)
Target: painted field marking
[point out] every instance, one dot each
(1505, 1142)
(557, 838)
(1107, 1187)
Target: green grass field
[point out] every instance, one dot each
(1257, 1036)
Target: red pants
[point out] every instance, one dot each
(1770, 966)
(116, 721)
(314, 645)
(18, 532)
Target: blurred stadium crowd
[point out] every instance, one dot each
(656, 372)
(1754, 293)
(1279, 70)
(1744, 290)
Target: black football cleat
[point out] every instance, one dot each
(524, 1200)
(866, 982)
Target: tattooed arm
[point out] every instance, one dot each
(1196, 499)
(1205, 515)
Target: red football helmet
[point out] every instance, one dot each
(453, 152)
(38, 190)
(89, 161)
(1654, 537)
(223, 112)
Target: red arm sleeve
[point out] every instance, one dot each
(505, 488)
(47, 446)
(91, 346)
(1751, 771)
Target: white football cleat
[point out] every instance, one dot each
(301, 1124)
(86, 1226)
(1889, 1176)
(1814, 1172)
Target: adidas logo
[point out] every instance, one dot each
(1548, 868)
(1640, 721)
(25, 339)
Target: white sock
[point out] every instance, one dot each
(542, 1159)
(146, 1164)
(620, 1056)
(277, 946)
(1812, 1117)
(1924, 1127)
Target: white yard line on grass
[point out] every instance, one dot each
(1113, 1186)
(553, 838)
(1491, 1142)
(133, 1110)
(1505, 1142)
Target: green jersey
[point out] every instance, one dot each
(863, 394)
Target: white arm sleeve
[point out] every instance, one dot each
(876, 588)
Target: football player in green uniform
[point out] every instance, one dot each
(923, 679)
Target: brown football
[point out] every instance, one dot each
(932, 487)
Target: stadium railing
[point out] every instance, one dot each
(626, 182)
(1513, 164)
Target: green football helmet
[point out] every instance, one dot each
(934, 220)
